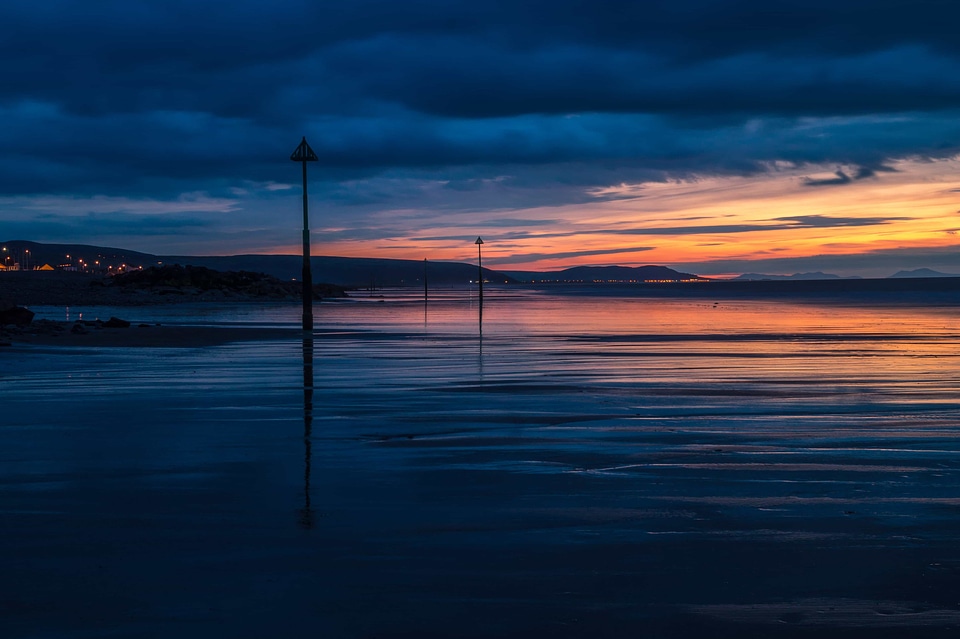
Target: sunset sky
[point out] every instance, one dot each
(716, 137)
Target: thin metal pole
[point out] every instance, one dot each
(480, 273)
(307, 276)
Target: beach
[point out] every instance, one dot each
(601, 466)
(62, 297)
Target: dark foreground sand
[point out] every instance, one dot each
(668, 470)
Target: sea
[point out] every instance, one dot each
(558, 462)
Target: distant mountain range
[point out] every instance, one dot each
(817, 275)
(375, 272)
(917, 273)
(352, 272)
(589, 274)
(342, 271)
(922, 272)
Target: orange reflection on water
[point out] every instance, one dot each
(628, 315)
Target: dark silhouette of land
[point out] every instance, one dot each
(153, 285)
(348, 272)
(817, 275)
(601, 274)
(922, 285)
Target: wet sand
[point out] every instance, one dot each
(136, 336)
(666, 469)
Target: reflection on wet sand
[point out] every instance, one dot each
(602, 467)
(306, 514)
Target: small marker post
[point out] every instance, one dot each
(479, 243)
(303, 154)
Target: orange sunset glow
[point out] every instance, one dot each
(777, 214)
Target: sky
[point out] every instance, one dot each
(716, 137)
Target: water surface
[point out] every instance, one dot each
(599, 465)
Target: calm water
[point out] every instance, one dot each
(593, 466)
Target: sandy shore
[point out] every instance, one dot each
(59, 288)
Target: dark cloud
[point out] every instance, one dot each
(515, 222)
(785, 223)
(95, 227)
(437, 105)
(506, 236)
(864, 172)
(706, 229)
(827, 221)
(841, 177)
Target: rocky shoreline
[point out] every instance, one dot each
(166, 285)
(155, 286)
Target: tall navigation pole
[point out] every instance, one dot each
(303, 154)
(479, 242)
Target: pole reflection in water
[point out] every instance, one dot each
(306, 515)
(480, 354)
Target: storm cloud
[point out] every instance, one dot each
(447, 106)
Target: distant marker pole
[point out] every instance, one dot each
(479, 243)
(303, 154)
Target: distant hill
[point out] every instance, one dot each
(354, 272)
(200, 281)
(606, 274)
(921, 272)
(30, 254)
(340, 271)
(817, 275)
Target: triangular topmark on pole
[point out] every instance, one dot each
(303, 153)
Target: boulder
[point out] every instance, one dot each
(116, 322)
(17, 315)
